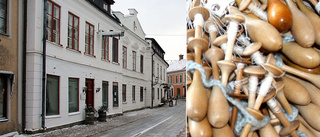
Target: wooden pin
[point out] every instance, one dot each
(254, 7)
(254, 72)
(279, 15)
(295, 92)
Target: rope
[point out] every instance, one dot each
(247, 118)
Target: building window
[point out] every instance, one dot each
(52, 95)
(133, 93)
(89, 39)
(134, 60)
(176, 79)
(124, 57)
(53, 22)
(73, 32)
(105, 48)
(115, 50)
(181, 79)
(3, 96)
(124, 93)
(141, 63)
(178, 92)
(73, 95)
(170, 79)
(105, 91)
(141, 94)
(157, 70)
(160, 72)
(115, 94)
(158, 93)
(152, 93)
(106, 6)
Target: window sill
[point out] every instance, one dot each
(106, 60)
(124, 102)
(53, 116)
(56, 44)
(73, 113)
(93, 56)
(115, 63)
(4, 34)
(3, 120)
(133, 101)
(73, 50)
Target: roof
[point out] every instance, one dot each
(177, 65)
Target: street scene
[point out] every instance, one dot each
(158, 122)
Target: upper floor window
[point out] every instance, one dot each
(89, 39)
(124, 93)
(134, 60)
(105, 48)
(106, 6)
(160, 72)
(53, 22)
(181, 79)
(176, 79)
(124, 57)
(115, 50)
(3, 16)
(141, 63)
(73, 32)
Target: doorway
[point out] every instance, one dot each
(90, 93)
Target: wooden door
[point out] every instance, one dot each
(90, 93)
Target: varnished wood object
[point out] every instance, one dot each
(304, 57)
(291, 64)
(254, 72)
(313, 17)
(225, 131)
(261, 31)
(295, 92)
(200, 129)
(279, 15)
(302, 29)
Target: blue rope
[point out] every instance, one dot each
(246, 118)
(286, 39)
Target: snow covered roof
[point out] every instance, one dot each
(177, 65)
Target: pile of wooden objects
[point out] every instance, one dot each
(263, 59)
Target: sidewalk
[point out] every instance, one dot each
(99, 127)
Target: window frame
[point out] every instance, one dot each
(133, 93)
(134, 60)
(89, 39)
(141, 94)
(73, 38)
(180, 78)
(105, 48)
(5, 97)
(50, 75)
(107, 93)
(158, 93)
(176, 78)
(141, 63)
(124, 56)
(53, 4)
(124, 93)
(115, 50)
(113, 96)
(77, 94)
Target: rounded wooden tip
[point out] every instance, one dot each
(209, 23)
(254, 70)
(198, 42)
(271, 59)
(255, 113)
(226, 65)
(269, 95)
(201, 10)
(241, 60)
(214, 54)
(287, 130)
(231, 17)
(220, 40)
(273, 69)
(252, 48)
(244, 4)
(190, 33)
(279, 85)
(190, 56)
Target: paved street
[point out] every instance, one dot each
(158, 122)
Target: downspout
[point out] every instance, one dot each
(24, 63)
(44, 66)
(152, 79)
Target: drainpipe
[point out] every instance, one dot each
(44, 66)
(152, 78)
(24, 63)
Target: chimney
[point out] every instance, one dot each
(180, 57)
(133, 11)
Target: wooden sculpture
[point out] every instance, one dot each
(304, 57)
(261, 31)
(313, 17)
(279, 15)
(302, 29)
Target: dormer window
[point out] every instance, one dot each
(106, 6)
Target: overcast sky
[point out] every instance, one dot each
(163, 20)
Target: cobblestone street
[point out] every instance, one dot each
(162, 121)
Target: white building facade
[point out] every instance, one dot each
(86, 64)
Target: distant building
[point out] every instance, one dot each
(177, 77)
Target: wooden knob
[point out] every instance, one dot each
(279, 15)
(252, 48)
(199, 10)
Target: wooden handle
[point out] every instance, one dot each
(225, 131)
(311, 113)
(295, 92)
(315, 132)
(302, 29)
(268, 131)
(291, 64)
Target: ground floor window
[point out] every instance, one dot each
(52, 95)
(133, 93)
(178, 94)
(115, 94)
(3, 96)
(141, 94)
(73, 95)
(105, 87)
(124, 93)
(158, 93)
